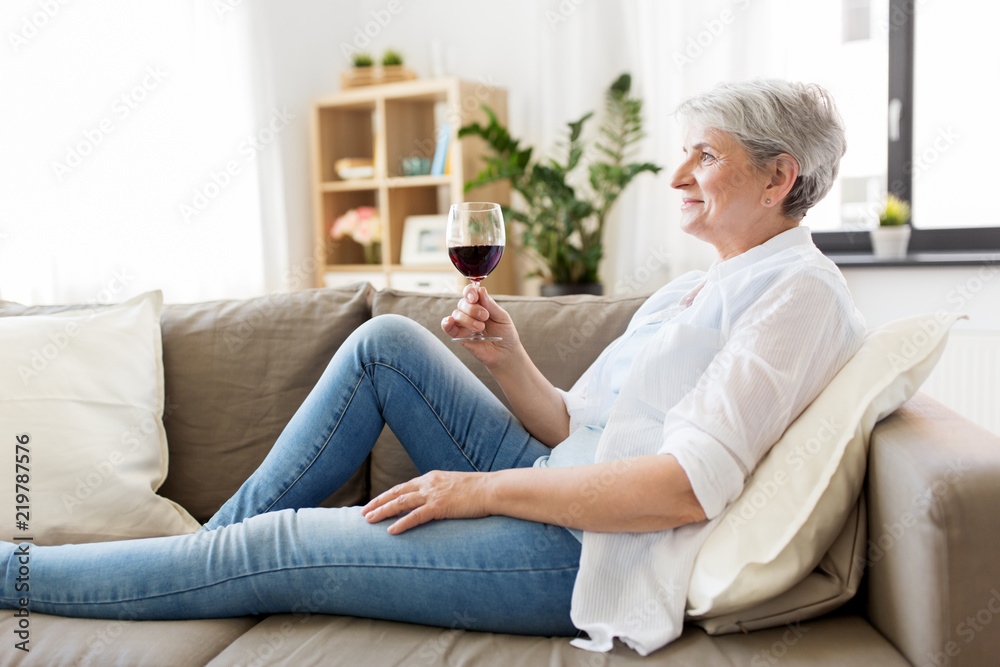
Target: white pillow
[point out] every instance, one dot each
(83, 392)
(799, 497)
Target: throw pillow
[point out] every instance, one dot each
(796, 503)
(81, 406)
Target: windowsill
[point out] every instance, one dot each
(867, 260)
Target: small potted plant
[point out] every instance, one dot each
(892, 236)
(366, 72)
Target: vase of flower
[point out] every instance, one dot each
(363, 226)
(373, 253)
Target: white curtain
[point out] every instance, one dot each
(132, 138)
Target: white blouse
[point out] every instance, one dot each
(741, 350)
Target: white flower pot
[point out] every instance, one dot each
(890, 242)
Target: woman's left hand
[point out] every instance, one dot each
(439, 494)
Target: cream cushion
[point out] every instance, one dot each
(83, 390)
(797, 501)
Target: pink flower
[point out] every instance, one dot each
(361, 224)
(344, 225)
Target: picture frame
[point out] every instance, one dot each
(424, 240)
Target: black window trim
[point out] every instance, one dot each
(974, 240)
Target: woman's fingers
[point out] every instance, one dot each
(436, 495)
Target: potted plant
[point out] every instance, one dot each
(892, 236)
(366, 72)
(563, 218)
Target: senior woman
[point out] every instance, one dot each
(576, 511)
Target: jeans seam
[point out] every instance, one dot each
(310, 567)
(429, 405)
(321, 449)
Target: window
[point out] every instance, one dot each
(843, 45)
(941, 148)
(955, 100)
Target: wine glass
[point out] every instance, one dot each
(476, 239)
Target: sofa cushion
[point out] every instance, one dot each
(56, 641)
(236, 372)
(291, 640)
(797, 501)
(562, 336)
(82, 391)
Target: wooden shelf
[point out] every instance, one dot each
(386, 123)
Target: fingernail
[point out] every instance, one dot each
(468, 297)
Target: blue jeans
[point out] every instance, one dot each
(269, 549)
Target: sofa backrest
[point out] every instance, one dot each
(235, 373)
(236, 370)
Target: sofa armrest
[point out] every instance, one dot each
(934, 533)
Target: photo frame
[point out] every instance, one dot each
(424, 240)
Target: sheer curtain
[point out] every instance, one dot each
(132, 143)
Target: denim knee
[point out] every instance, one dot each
(384, 336)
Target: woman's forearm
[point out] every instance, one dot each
(643, 494)
(533, 399)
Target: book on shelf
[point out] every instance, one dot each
(441, 150)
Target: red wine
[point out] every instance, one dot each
(475, 261)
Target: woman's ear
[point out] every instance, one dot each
(784, 170)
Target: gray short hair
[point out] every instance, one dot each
(769, 117)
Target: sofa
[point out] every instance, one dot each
(236, 370)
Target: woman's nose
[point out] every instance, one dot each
(681, 177)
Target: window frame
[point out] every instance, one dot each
(972, 240)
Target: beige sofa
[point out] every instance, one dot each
(236, 370)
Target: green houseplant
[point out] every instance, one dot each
(892, 236)
(564, 216)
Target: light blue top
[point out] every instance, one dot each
(580, 448)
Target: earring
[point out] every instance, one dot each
(767, 201)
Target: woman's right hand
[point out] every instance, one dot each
(477, 311)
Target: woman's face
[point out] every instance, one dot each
(722, 193)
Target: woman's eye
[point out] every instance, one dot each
(707, 157)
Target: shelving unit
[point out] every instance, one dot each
(386, 124)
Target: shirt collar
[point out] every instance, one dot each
(790, 238)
